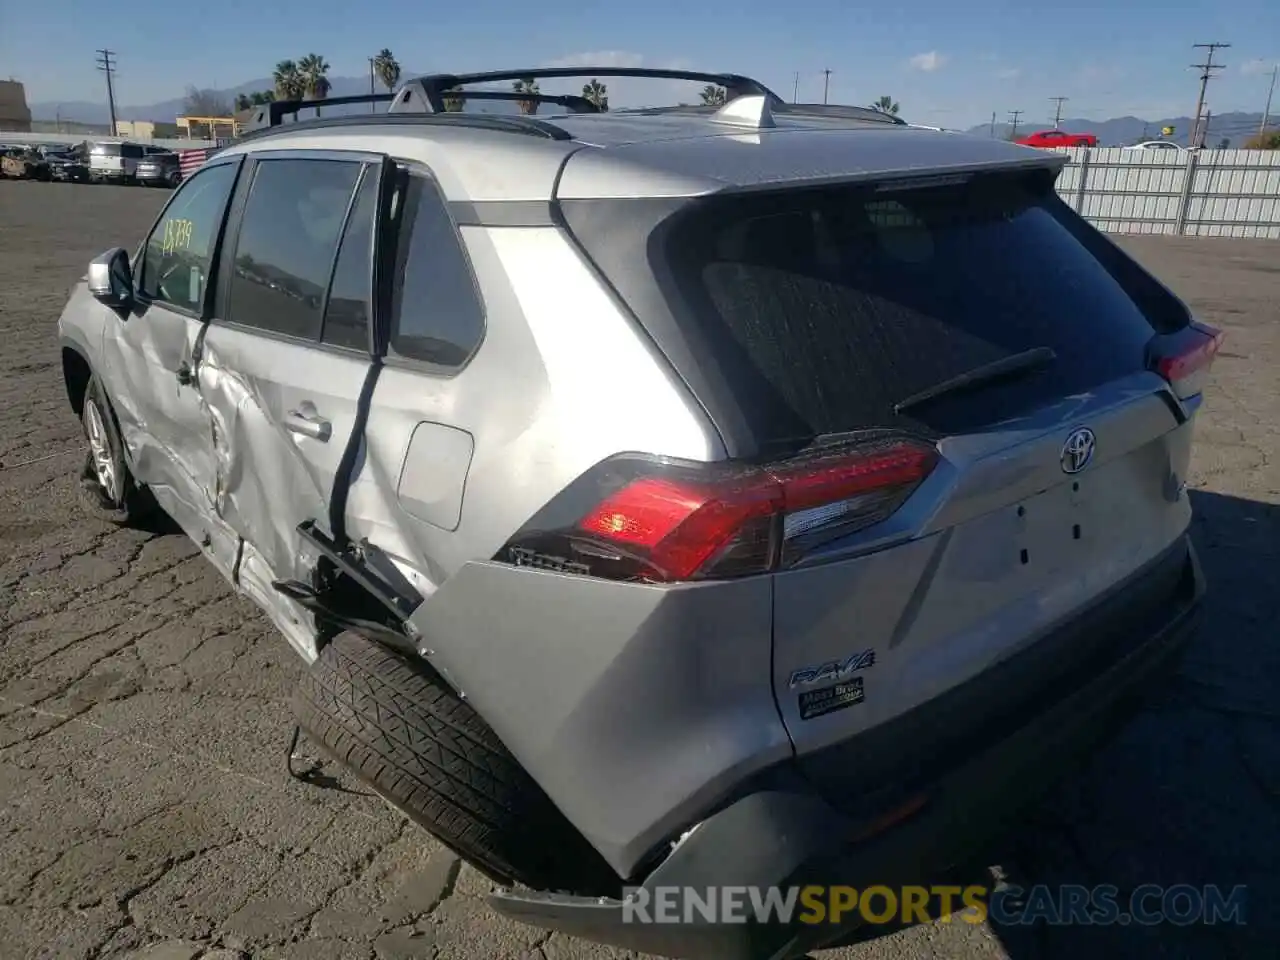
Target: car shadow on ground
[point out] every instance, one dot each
(1186, 797)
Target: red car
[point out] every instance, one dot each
(1057, 138)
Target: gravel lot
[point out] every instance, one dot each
(144, 806)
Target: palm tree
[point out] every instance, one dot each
(596, 93)
(529, 86)
(288, 80)
(454, 101)
(713, 96)
(887, 105)
(247, 101)
(313, 68)
(387, 67)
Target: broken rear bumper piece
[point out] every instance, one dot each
(785, 834)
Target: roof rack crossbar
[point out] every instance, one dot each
(432, 88)
(273, 114)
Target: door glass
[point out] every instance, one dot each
(287, 244)
(177, 260)
(346, 319)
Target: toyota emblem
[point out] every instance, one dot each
(1077, 451)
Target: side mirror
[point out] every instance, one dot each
(111, 278)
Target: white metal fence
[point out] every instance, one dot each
(1205, 193)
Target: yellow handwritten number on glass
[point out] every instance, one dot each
(177, 236)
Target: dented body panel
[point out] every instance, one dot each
(534, 401)
(164, 422)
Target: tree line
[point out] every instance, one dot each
(306, 78)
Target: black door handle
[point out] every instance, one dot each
(185, 376)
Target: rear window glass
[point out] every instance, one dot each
(828, 307)
(106, 149)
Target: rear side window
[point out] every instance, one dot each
(287, 243)
(828, 307)
(437, 315)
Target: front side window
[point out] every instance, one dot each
(287, 244)
(177, 259)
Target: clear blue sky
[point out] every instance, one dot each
(950, 64)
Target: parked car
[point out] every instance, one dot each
(159, 170)
(1057, 138)
(654, 510)
(68, 166)
(116, 161)
(22, 162)
(1166, 145)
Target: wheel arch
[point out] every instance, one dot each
(76, 373)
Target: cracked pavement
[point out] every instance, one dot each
(145, 811)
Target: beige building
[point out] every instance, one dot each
(14, 113)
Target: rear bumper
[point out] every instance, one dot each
(786, 834)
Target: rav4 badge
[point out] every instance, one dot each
(833, 671)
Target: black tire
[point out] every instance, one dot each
(127, 502)
(399, 728)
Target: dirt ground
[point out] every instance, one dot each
(144, 806)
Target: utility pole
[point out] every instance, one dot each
(107, 66)
(1014, 115)
(993, 124)
(1266, 111)
(795, 89)
(826, 84)
(371, 105)
(1206, 74)
(1057, 113)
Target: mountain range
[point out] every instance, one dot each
(1235, 127)
(90, 111)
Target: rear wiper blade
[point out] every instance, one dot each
(1012, 366)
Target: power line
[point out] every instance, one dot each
(1057, 113)
(1014, 115)
(826, 84)
(1206, 74)
(107, 66)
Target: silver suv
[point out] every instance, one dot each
(738, 495)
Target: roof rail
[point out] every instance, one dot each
(429, 91)
(273, 114)
(569, 101)
(838, 111)
(499, 123)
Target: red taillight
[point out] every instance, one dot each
(680, 526)
(1200, 354)
(679, 523)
